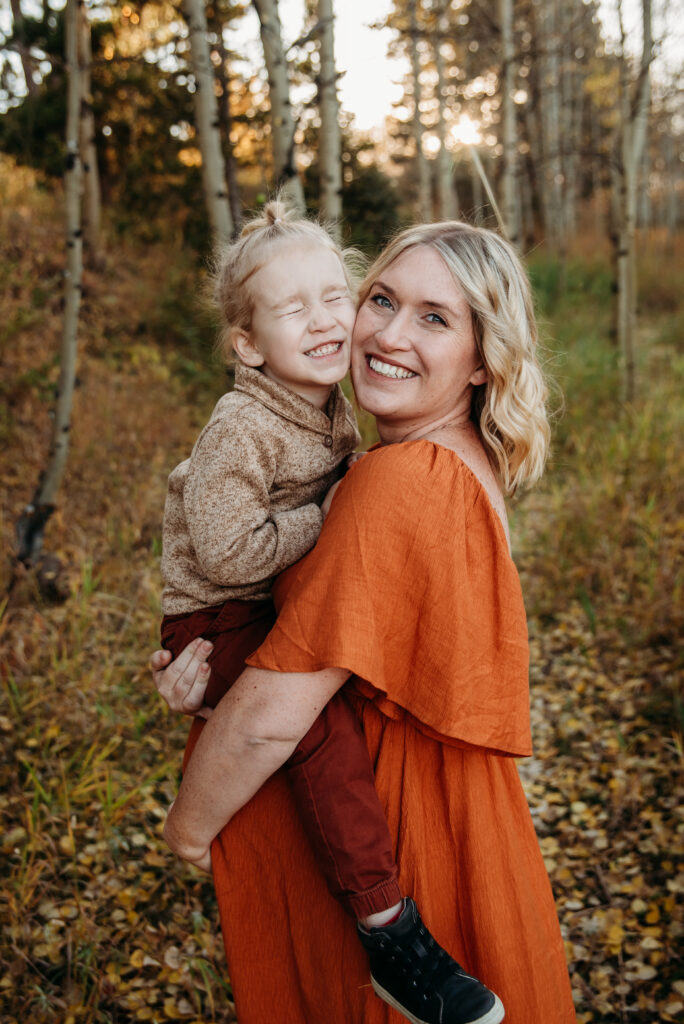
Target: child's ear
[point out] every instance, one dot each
(245, 349)
(480, 376)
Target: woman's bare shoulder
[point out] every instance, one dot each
(471, 453)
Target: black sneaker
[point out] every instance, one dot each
(411, 972)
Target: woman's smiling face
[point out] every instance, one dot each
(414, 356)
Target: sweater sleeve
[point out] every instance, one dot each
(237, 538)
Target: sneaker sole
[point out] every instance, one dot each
(493, 1016)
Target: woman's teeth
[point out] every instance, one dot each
(324, 350)
(389, 370)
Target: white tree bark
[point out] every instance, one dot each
(31, 525)
(92, 200)
(226, 113)
(330, 142)
(551, 109)
(282, 123)
(645, 216)
(634, 107)
(446, 189)
(672, 175)
(509, 180)
(207, 120)
(424, 202)
(24, 55)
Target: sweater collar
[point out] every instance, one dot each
(286, 403)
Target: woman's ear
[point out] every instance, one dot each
(480, 376)
(244, 348)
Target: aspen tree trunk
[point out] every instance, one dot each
(330, 142)
(600, 216)
(571, 119)
(632, 135)
(478, 194)
(24, 55)
(671, 175)
(32, 522)
(510, 136)
(446, 189)
(534, 160)
(424, 203)
(552, 116)
(282, 123)
(644, 219)
(207, 120)
(226, 113)
(92, 199)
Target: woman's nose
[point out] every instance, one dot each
(393, 336)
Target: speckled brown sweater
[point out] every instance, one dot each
(245, 505)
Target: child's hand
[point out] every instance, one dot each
(327, 501)
(183, 682)
(354, 457)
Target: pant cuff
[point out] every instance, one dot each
(380, 897)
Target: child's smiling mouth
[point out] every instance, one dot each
(329, 349)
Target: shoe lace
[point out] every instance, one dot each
(423, 961)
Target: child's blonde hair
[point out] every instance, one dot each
(235, 263)
(510, 408)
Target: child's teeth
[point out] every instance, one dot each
(324, 350)
(389, 370)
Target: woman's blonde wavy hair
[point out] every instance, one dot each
(235, 263)
(510, 408)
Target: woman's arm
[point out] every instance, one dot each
(252, 732)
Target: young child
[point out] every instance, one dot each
(247, 504)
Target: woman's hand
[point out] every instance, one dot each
(182, 682)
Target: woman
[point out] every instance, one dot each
(411, 592)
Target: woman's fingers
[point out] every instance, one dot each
(183, 682)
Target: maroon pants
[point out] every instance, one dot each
(330, 771)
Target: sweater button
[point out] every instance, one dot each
(328, 441)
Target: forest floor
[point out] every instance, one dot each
(99, 922)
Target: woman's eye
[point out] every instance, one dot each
(435, 318)
(381, 300)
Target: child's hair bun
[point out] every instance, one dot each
(274, 213)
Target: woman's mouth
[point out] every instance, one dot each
(389, 369)
(329, 349)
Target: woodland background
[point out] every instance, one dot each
(123, 150)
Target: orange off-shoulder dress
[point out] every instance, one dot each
(411, 587)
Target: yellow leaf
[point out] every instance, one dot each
(138, 958)
(614, 937)
(66, 845)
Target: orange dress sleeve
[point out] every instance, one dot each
(411, 587)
